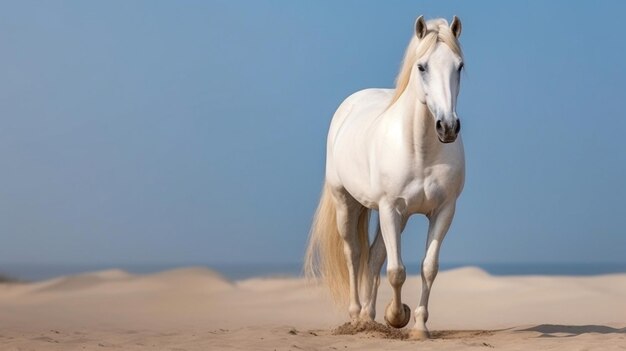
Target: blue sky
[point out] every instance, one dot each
(187, 131)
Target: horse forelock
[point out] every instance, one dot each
(438, 31)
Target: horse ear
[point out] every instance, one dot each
(420, 27)
(456, 27)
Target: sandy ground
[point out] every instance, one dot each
(196, 309)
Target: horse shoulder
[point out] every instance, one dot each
(445, 179)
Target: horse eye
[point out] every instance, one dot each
(461, 66)
(421, 68)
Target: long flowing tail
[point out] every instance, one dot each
(325, 258)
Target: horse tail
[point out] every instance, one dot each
(325, 258)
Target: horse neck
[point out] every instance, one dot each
(417, 121)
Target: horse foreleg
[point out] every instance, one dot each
(397, 314)
(437, 229)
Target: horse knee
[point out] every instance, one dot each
(397, 276)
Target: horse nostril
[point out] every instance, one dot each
(438, 126)
(458, 126)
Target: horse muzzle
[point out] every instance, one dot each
(448, 131)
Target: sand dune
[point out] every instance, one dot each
(198, 309)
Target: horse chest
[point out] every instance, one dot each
(426, 191)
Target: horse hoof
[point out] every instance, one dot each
(416, 334)
(398, 321)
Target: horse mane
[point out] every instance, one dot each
(438, 30)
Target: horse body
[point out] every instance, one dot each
(397, 151)
(381, 156)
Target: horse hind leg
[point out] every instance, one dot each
(377, 255)
(348, 212)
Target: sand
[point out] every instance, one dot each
(197, 309)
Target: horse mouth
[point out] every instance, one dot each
(447, 140)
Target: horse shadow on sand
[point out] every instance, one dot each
(378, 330)
(563, 331)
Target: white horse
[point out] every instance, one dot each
(399, 152)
